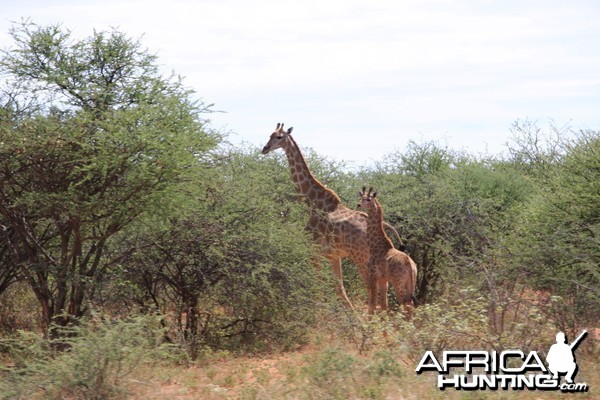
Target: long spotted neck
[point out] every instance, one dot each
(376, 235)
(317, 195)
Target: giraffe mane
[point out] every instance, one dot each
(333, 194)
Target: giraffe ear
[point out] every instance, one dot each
(360, 194)
(374, 194)
(290, 130)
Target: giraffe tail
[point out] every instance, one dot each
(401, 245)
(415, 301)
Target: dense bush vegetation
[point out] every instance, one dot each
(119, 203)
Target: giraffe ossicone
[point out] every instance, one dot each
(339, 231)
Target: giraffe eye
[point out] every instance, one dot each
(279, 137)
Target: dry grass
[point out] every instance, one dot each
(347, 357)
(328, 368)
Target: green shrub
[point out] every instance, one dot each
(235, 274)
(336, 374)
(91, 361)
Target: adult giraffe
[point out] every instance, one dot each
(338, 230)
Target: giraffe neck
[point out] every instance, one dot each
(317, 195)
(376, 234)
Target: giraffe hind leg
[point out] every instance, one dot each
(404, 298)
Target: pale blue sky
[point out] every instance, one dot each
(359, 79)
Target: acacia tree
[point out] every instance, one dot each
(92, 138)
(556, 242)
(235, 273)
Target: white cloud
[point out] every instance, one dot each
(406, 70)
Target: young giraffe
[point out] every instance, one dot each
(338, 230)
(386, 264)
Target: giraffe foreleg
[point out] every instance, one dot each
(382, 284)
(336, 266)
(371, 292)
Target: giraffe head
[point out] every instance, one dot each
(278, 138)
(366, 198)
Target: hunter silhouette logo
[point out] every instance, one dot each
(509, 369)
(560, 357)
